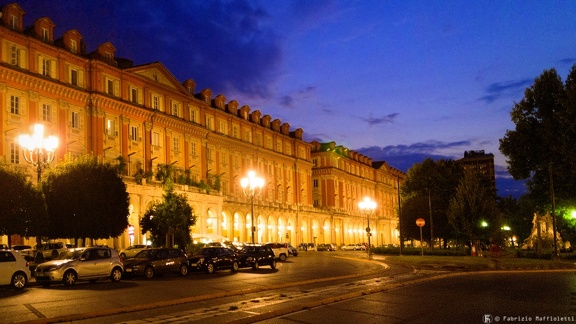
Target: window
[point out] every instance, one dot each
(235, 131)
(155, 102)
(134, 95)
(175, 109)
(110, 87)
(74, 77)
(14, 55)
(45, 34)
(46, 113)
(209, 154)
(13, 22)
(315, 183)
(248, 136)
(47, 67)
(315, 162)
(111, 127)
(75, 120)
(134, 133)
(193, 148)
(14, 153)
(108, 57)
(73, 46)
(15, 105)
(193, 116)
(176, 142)
(155, 139)
(210, 122)
(223, 127)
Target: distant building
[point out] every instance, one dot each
(480, 163)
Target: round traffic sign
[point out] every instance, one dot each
(420, 222)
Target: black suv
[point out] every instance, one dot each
(213, 258)
(154, 261)
(256, 255)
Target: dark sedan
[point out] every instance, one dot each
(256, 255)
(213, 258)
(154, 261)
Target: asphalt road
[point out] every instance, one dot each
(339, 287)
(490, 297)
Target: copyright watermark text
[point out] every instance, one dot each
(489, 318)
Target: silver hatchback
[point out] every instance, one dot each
(88, 263)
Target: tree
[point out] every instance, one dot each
(22, 210)
(426, 193)
(171, 218)
(541, 147)
(86, 198)
(472, 204)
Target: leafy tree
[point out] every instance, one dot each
(86, 198)
(542, 148)
(473, 203)
(428, 188)
(22, 208)
(172, 217)
(518, 214)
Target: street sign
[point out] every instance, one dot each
(420, 222)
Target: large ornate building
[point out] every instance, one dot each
(97, 103)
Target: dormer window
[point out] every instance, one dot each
(108, 57)
(13, 22)
(73, 46)
(45, 35)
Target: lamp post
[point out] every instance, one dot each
(252, 186)
(367, 206)
(38, 150)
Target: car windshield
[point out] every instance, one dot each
(135, 247)
(250, 249)
(69, 255)
(206, 252)
(145, 254)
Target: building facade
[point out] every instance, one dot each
(481, 163)
(97, 103)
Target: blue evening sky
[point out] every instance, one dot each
(398, 81)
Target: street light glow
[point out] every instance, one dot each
(252, 186)
(367, 206)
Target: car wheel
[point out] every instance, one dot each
(235, 266)
(116, 275)
(273, 264)
(256, 265)
(70, 278)
(149, 272)
(282, 257)
(210, 268)
(19, 280)
(183, 269)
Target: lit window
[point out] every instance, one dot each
(155, 139)
(110, 127)
(156, 102)
(46, 67)
(175, 110)
(193, 149)
(45, 34)
(13, 22)
(73, 46)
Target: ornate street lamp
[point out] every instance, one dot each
(367, 206)
(38, 150)
(252, 186)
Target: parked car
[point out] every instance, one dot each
(292, 250)
(350, 247)
(52, 250)
(25, 251)
(307, 247)
(153, 261)
(80, 264)
(4, 247)
(280, 250)
(14, 269)
(212, 258)
(326, 247)
(256, 255)
(132, 250)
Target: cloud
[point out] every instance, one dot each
(289, 100)
(382, 120)
(505, 89)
